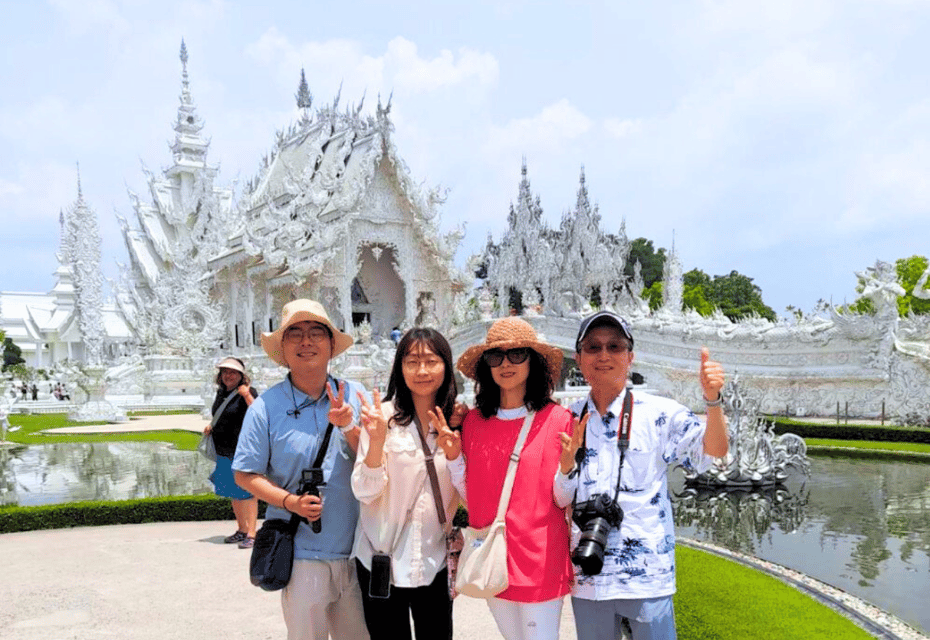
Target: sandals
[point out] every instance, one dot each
(238, 536)
(247, 543)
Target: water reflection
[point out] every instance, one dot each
(740, 519)
(860, 525)
(71, 472)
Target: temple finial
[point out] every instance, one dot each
(304, 97)
(80, 194)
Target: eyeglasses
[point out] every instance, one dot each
(295, 335)
(495, 357)
(414, 364)
(613, 348)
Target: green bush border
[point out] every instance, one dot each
(866, 432)
(100, 513)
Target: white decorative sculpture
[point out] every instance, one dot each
(757, 456)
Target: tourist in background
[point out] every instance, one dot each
(233, 397)
(281, 436)
(634, 583)
(515, 374)
(400, 509)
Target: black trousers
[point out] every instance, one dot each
(389, 618)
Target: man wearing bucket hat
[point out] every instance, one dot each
(282, 433)
(614, 472)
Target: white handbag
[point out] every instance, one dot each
(482, 566)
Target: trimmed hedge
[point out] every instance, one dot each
(98, 513)
(853, 432)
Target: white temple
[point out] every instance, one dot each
(333, 214)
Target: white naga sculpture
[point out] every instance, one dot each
(757, 456)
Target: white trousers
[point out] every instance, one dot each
(323, 598)
(527, 620)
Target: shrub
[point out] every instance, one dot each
(81, 514)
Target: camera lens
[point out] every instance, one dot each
(589, 554)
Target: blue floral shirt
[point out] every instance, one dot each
(639, 560)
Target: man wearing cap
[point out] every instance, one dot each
(637, 580)
(281, 436)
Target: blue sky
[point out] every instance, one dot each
(787, 140)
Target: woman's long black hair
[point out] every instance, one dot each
(397, 388)
(539, 386)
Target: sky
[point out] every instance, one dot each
(786, 140)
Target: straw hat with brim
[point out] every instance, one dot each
(301, 311)
(231, 363)
(511, 333)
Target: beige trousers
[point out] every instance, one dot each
(322, 599)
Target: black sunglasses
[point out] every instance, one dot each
(495, 357)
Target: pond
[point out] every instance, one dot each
(72, 472)
(860, 525)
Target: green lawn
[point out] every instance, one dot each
(30, 427)
(719, 599)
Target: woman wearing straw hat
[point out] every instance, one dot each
(515, 374)
(233, 397)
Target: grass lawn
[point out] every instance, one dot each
(719, 599)
(30, 427)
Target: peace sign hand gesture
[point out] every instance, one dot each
(571, 444)
(373, 418)
(340, 412)
(449, 440)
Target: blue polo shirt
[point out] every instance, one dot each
(279, 446)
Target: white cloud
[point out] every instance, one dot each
(400, 67)
(8, 189)
(92, 16)
(554, 126)
(418, 74)
(623, 128)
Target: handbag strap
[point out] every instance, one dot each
(512, 467)
(222, 407)
(431, 471)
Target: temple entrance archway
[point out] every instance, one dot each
(378, 294)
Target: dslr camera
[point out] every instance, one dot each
(595, 517)
(310, 482)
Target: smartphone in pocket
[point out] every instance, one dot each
(379, 586)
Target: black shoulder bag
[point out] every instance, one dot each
(273, 551)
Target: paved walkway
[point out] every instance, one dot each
(155, 582)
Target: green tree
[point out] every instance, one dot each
(653, 295)
(652, 261)
(12, 354)
(909, 271)
(737, 297)
(695, 291)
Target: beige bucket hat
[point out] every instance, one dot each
(511, 333)
(300, 311)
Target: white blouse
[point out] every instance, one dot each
(398, 513)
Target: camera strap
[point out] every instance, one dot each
(431, 471)
(623, 436)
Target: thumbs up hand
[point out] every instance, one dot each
(711, 376)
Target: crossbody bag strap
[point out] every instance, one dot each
(431, 471)
(221, 408)
(512, 467)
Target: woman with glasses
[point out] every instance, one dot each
(515, 375)
(406, 506)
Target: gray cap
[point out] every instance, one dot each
(603, 319)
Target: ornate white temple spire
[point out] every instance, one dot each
(189, 147)
(304, 98)
(83, 254)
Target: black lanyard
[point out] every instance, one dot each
(623, 437)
